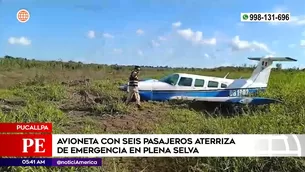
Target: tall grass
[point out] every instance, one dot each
(41, 89)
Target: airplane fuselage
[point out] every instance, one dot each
(162, 95)
(212, 89)
(188, 85)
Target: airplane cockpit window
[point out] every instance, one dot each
(171, 79)
(185, 81)
(223, 86)
(199, 83)
(213, 84)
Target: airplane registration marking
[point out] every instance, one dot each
(238, 93)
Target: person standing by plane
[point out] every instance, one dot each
(133, 87)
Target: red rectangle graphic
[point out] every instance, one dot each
(26, 145)
(26, 127)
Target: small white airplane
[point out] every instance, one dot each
(211, 89)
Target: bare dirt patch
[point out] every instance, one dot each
(82, 109)
(142, 121)
(137, 122)
(7, 105)
(77, 82)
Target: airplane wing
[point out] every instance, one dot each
(233, 100)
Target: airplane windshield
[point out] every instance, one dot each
(171, 79)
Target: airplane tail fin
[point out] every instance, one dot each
(262, 71)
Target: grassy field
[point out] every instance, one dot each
(35, 91)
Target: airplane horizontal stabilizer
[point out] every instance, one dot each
(272, 58)
(233, 100)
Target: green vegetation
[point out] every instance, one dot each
(42, 91)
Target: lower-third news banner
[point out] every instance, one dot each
(51, 162)
(151, 145)
(177, 145)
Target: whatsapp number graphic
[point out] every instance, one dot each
(265, 17)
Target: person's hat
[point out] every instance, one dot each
(137, 68)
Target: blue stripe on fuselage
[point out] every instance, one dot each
(161, 95)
